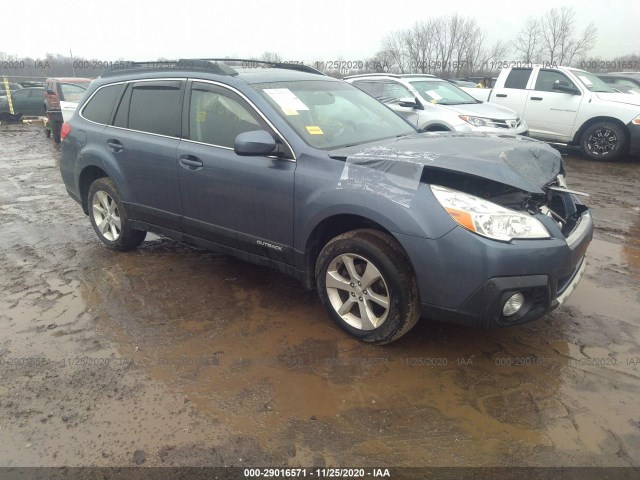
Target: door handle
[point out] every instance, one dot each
(536, 98)
(501, 95)
(191, 162)
(114, 145)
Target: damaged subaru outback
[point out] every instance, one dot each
(285, 167)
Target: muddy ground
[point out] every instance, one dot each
(170, 355)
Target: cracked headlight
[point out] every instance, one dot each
(487, 218)
(478, 121)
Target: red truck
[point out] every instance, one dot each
(61, 89)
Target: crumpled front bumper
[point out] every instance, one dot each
(466, 279)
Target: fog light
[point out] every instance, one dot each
(513, 305)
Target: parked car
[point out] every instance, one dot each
(432, 104)
(626, 82)
(12, 88)
(462, 83)
(295, 170)
(570, 106)
(59, 90)
(25, 101)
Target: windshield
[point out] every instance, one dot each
(72, 92)
(329, 114)
(442, 93)
(593, 83)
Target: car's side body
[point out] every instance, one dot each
(429, 115)
(283, 208)
(563, 116)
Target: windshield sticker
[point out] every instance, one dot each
(286, 100)
(433, 94)
(585, 80)
(314, 130)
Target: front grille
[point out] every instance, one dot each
(510, 123)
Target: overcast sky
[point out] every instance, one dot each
(296, 29)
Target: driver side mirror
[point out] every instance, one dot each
(254, 144)
(410, 103)
(566, 87)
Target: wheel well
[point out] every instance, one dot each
(436, 128)
(588, 123)
(328, 229)
(87, 177)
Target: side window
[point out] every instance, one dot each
(99, 108)
(518, 78)
(372, 88)
(547, 78)
(217, 117)
(70, 92)
(625, 83)
(155, 108)
(394, 91)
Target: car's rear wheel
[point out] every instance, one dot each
(367, 286)
(109, 217)
(604, 141)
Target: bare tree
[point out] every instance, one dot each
(527, 43)
(395, 48)
(559, 41)
(271, 57)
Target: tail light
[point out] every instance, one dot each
(65, 130)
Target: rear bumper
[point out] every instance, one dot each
(466, 279)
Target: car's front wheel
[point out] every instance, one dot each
(367, 286)
(603, 141)
(109, 217)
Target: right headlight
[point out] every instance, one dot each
(487, 218)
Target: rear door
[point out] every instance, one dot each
(245, 202)
(143, 142)
(550, 113)
(513, 94)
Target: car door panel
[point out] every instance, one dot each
(144, 142)
(551, 114)
(234, 200)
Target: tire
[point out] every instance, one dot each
(106, 212)
(394, 282)
(604, 141)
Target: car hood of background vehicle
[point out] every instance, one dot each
(520, 162)
(620, 98)
(485, 110)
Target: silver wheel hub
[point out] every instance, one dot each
(357, 291)
(106, 215)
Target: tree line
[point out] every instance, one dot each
(451, 46)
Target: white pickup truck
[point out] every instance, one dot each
(570, 106)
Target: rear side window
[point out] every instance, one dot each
(518, 78)
(372, 88)
(99, 108)
(155, 107)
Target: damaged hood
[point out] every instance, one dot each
(519, 162)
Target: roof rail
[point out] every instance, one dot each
(164, 65)
(212, 65)
(418, 75)
(394, 75)
(251, 63)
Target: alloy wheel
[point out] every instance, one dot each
(602, 141)
(106, 215)
(357, 291)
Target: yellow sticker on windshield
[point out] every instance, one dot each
(314, 130)
(202, 116)
(290, 111)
